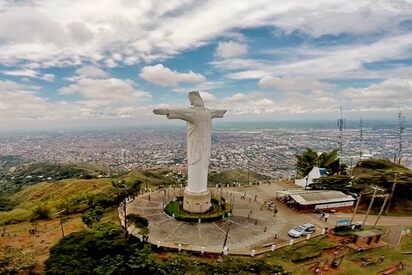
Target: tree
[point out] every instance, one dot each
(305, 162)
(101, 250)
(310, 158)
(63, 220)
(92, 216)
(142, 260)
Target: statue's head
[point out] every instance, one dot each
(195, 99)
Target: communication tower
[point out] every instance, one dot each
(341, 123)
(361, 138)
(401, 129)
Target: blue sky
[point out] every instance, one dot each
(82, 63)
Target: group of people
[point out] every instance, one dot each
(33, 232)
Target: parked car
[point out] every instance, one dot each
(301, 230)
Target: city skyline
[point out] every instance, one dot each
(80, 64)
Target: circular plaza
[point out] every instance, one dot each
(257, 221)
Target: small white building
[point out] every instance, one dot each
(315, 173)
(309, 200)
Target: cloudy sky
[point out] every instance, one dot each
(113, 61)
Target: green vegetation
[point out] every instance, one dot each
(152, 178)
(310, 158)
(382, 173)
(216, 213)
(303, 251)
(14, 177)
(92, 216)
(42, 211)
(44, 200)
(139, 222)
(104, 250)
(5, 203)
(13, 260)
(25, 194)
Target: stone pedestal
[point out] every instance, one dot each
(196, 202)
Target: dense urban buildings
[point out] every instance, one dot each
(266, 151)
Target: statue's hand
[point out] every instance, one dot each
(162, 112)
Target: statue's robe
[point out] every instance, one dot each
(199, 136)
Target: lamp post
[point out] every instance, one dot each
(356, 207)
(227, 234)
(370, 206)
(145, 168)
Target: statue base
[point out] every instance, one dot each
(194, 202)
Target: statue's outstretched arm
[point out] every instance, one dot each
(218, 113)
(184, 114)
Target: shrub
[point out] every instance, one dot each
(92, 216)
(42, 211)
(15, 216)
(90, 252)
(216, 213)
(103, 200)
(138, 220)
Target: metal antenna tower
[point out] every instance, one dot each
(401, 129)
(341, 123)
(361, 138)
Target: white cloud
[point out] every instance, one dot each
(91, 72)
(107, 90)
(249, 74)
(161, 75)
(343, 17)
(346, 61)
(314, 102)
(390, 94)
(10, 86)
(247, 103)
(29, 73)
(204, 86)
(79, 32)
(231, 49)
(111, 98)
(72, 32)
(207, 97)
(336, 61)
(292, 84)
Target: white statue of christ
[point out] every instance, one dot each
(199, 132)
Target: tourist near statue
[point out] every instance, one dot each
(199, 132)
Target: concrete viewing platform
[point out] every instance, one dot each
(252, 225)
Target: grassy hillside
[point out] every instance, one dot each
(153, 178)
(24, 174)
(52, 194)
(382, 173)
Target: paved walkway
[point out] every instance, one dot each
(252, 225)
